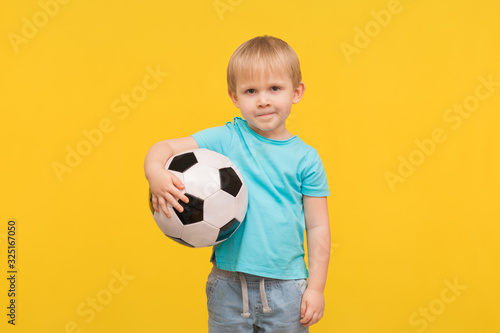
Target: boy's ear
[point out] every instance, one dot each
(234, 98)
(298, 92)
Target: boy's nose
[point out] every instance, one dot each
(263, 101)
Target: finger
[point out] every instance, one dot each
(154, 201)
(303, 308)
(177, 182)
(178, 194)
(317, 316)
(174, 202)
(164, 207)
(307, 317)
(309, 322)
(180, 186)
(314, 319)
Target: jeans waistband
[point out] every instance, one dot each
(236, 275)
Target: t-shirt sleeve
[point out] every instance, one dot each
(216, 138)
(314, 181)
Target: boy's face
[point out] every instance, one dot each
(265, 101)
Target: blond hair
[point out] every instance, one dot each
(263, 54)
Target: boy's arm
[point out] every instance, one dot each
(165, 186)
(318, 248)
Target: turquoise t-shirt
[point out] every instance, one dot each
(270, 241)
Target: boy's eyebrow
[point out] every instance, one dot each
(269, 84)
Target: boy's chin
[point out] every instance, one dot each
(271, 132)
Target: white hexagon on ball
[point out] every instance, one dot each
(206, 157)
(241, 203)
(170, 226)
(219, 209)
(200, 234)
(201, 180)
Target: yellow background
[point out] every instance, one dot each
(396, 248)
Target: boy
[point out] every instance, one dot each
(260, 269)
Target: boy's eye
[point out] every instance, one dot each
(275, 88)
(251, 91)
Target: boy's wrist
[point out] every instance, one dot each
(315, 287)
(156, 158)
(150, 170)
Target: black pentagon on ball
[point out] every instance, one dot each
(183, 162)
(228, 229)
(151, 208)
(193, 210)
(229, 181)
(180, 241)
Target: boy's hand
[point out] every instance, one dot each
(166, 187)
(312, 307)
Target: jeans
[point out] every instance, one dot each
(272, 305)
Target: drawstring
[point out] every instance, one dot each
(263, 296)
(244, 292)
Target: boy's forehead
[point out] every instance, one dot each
(261, 73)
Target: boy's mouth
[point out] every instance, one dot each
(267, 114)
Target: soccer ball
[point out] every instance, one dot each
(218, 199)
